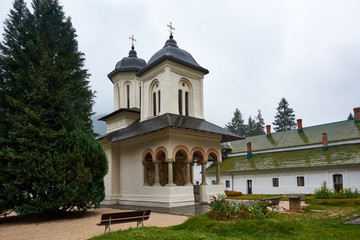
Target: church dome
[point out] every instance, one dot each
(172, 52)
(130, 63)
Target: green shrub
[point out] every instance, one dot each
(326, 193)
(221, 209)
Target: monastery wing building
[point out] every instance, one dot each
(157, 131)
(294, 161)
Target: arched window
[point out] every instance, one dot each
(159, 100)
(128, 95)
(180, 102)
(140, 96)
(154, 103)
(186, 103)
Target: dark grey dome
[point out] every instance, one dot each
(130, 63)
(172, 52)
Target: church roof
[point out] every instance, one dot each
(134, 110)
(336, 131)
(130, 63)
(172, 52)
(167, 121)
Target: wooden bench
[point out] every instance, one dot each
(122, 217)
(273, 201)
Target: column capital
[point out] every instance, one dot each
(169, 160)
(156, 161)
(204, 161)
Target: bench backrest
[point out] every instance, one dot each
(132, 216)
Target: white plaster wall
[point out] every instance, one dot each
(168, 74)
(120, 81)
(262, 182)
(127, 170)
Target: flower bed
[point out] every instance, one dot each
(221, 209)
(233, 193)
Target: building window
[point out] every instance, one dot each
(227, 183)
(140, 96)
(159, 101)
(275, 182)
(300, 181)
(197, 182)
(213, 182)
(128, 95)
(186, 103)
(180, 102)
(154, 103)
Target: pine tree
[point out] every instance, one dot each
(285, 117)
(260, 124)
(237, 124)
(250, 127)
(350, 117)
(49, 158)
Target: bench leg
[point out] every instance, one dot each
(108, 226)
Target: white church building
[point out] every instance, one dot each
(157, 132)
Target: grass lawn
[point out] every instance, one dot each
(318, 221)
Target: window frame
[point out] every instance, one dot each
(300, 181)
(275, 182)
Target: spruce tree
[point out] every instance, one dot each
(237, 124)
(49, 158)
(285, 117)
(250, 127)
(260, 124)
(350, 117)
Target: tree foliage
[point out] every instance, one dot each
(252, 128)
(49, 158)
(285, 117)
(350, 117)
(237, 124)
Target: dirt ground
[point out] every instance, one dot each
(73, 226)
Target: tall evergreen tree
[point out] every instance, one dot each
(49, 158)
(260, 124)
(237, 124)
(285, 117)
(350, 117)
(250, 127)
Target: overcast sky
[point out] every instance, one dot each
(256, 51)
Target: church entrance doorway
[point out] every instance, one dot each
(338, 182)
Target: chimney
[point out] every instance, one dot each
(300, 128)
(357, 115)
(249, 153)
(268, 131)
(325, 142)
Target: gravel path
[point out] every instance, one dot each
(73, 226)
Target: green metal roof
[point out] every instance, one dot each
(337, 131)
(314, 157)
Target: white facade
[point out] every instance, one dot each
(262, 183)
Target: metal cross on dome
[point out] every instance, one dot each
(171, 31)
(133, 40)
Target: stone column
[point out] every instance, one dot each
(188, 183)
(146, 183)
(157, 173)
(170, 172)
(203, 172)
(218, 172)
(192, 173)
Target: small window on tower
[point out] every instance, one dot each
(159, 100)
(154, 103)
(186, 103)
(128, 95)
(180, 102)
